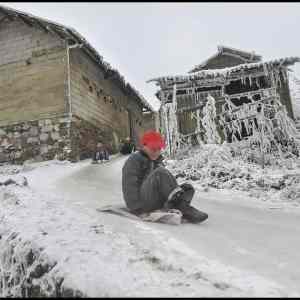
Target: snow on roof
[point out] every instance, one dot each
(247, 57)
(223, 73)
(246, 54)
(70, 34)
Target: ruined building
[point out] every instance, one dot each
(57, 94)
(241, 85)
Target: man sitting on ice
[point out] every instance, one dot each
(148, 186)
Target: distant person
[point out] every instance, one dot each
(148, 186)
(100, 154)
(127, 147)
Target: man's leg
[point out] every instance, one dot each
(185, 193)
(182, 201)
(189, 212)
(106, 155)
(101, 156)
(157, 188)
(161, 190)
(95, 157)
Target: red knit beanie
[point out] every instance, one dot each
(153, 140)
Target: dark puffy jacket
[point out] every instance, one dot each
(135, 170)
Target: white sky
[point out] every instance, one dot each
(146, 40)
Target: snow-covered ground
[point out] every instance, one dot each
(245, 248)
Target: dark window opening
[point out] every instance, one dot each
(208, 88)
(243, 131)
(197, 90)
(237, 86)
(240, 101)
(90, 88)
(180, 92)
(256, 97)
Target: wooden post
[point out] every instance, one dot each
(262, 123)
(169, 136)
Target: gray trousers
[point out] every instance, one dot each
(158, 188)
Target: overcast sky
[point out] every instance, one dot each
(146, 40)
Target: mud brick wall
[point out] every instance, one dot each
(33, 73)
(100, 102)
(41, 139)
(149, 121)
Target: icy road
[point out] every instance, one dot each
(256, 240)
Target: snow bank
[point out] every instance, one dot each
(214, 166)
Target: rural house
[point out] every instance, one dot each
(57, 94)
(241, 85)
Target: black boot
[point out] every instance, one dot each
(190, 213)
(174, 201)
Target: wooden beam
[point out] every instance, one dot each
(190, 108)
(58, 33)
(40, 25)
(192, 133)
(54, 32)
(72, 35)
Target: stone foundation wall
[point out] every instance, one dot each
(52, 138)
(84, 137)
(40, 139)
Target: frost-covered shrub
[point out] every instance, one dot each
(26, 271)
(218, 167)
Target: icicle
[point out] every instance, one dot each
(284, 74)
(246, 124)
(208, 121)
(265, 67)
(173, 134)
